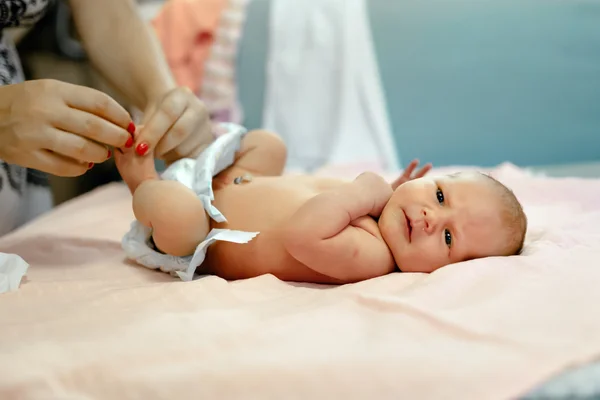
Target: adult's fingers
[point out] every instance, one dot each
(91, 126)
(76, 147)
(95, 102)
(194, 152)
(168, 112)
(55, 164)
(183, 136)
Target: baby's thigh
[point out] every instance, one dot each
(175, 214)
(164, 199)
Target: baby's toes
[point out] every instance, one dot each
(135, 169)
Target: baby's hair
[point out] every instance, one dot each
(513, 217)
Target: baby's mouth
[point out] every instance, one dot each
(408, 226)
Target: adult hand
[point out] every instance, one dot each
(59, 128)
(176, 126)
(408, 175)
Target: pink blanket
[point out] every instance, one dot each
(87, 324)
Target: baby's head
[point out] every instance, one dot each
(432, 222)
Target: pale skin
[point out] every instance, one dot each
(65, 129)
(315, 229)
(125, 50)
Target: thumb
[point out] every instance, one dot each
(158, 119)
(147, 138)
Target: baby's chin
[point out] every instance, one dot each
(405, 264)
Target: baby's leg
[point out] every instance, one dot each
(262, 153)
(177, 218)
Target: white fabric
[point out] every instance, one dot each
(12, 270)
(197, 175)
(324, 94)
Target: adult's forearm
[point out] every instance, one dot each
(123, 48)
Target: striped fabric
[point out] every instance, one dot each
(219, 87)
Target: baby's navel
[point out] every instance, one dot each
(246, 178)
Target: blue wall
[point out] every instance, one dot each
(474, 81)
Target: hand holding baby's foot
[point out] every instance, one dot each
(135, 169)
(408, 175)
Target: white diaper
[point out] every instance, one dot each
(197, 175)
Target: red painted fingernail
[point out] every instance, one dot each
(141, 149)
(129, 142)
(109, 153)
(131, 128)
(90, 165)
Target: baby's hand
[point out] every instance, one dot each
(407, 175)
(377, 189)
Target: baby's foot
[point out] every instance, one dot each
(135, 169)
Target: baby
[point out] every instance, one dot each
(321, 230)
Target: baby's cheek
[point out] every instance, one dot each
(424, 257)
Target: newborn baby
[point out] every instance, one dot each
(321, 230)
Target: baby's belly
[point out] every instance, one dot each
(264, 205)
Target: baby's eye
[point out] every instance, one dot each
(440, 196)
(448, 237)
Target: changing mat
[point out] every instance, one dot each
(87, 324)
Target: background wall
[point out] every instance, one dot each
(467, 81)
(474, 81)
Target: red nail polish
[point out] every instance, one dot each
(90, 165)
(131, 128)
(141, 149)
(109, 153)
(129, 142)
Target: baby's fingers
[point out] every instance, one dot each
(410, 168)
(423, 171)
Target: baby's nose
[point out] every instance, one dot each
(430, 221)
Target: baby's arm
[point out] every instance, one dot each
(321, 235)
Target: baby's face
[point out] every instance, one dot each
(432, 222)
